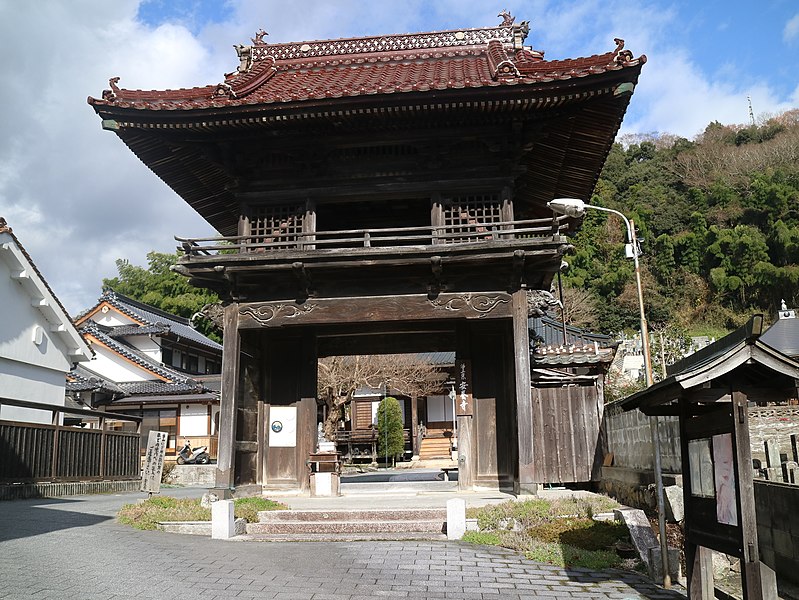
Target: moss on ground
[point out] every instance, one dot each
(147, 514)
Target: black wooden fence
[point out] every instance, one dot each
(31, 452)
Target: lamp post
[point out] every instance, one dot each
(574, 207)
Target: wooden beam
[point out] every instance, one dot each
(415, 307)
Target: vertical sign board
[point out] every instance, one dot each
(464, 401)
(154, 463)
(283, 426)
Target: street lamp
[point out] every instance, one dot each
(574, 207)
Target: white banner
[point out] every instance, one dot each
(283, 426)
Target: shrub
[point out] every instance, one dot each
(248, 508)
(147, 514)
(390, 439)
(154, 510)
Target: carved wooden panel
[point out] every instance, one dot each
(488, 305)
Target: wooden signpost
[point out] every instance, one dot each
(154, 463)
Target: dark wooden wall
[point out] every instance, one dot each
(291, 381)
(494, 432)
(566, 429)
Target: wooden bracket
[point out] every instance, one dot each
(435, 287)
(303, 279)
(518, 270)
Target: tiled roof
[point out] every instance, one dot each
(90, 328)
(80, 379)
(124, 331)
(783, 335)
(581, 347)
(133, 388)
(573, 355)
(546, 331)
(323, 70)
(155, 320)
(184, 398)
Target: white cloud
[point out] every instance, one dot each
(74, 194)
(791, 30)
(78, 198)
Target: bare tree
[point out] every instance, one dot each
(579, 307)
(339, 377)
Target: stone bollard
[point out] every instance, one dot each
(456, 518)
(222, 522)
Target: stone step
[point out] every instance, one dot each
(346, 527)
(418, 514)
(344, 537)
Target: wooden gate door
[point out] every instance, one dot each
(566, 426)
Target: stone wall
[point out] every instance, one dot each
(629, 438)
(775, 424)
(777, 506)
(199, 475)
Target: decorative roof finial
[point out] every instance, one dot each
(258, 40)
(622, 56)
(112, 94)
(507, 18)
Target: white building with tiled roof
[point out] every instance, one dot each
(151, 364)
(39, 343)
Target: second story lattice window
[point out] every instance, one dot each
(277, 226)
(471, 218)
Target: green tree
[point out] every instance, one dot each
(159, 286)
(390, 439)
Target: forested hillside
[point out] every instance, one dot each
(719, 217)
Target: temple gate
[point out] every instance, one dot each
(379, 195)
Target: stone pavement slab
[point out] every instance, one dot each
(73, 548)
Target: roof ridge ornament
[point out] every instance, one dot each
(258, 40)
(520, 31)
(621, 56)
(507, 18)
(112, 94)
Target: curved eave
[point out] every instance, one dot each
(204, 184)
(745, 354)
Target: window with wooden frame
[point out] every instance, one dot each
(471, 218)
(276, 227)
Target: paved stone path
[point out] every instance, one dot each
(73, 548)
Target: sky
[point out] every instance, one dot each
(78, 199)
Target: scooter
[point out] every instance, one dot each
(198, 456)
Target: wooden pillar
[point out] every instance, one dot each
(759, 581)
(524, 410)
(699, 563)
(466, 452)
(231, 347)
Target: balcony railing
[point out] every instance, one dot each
(352, 239)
